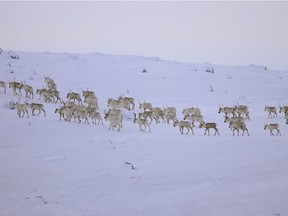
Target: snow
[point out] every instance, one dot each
(51, 167)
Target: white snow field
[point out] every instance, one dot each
(57, 168)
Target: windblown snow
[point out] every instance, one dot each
(52, 167)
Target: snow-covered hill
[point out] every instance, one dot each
(51, 167)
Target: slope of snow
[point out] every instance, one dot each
(51, 167)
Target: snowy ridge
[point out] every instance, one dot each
(52, 167)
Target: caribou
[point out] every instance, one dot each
(195, 117)
(231, 120)
(145, 115)
(40, 92)
(16, 85)
(283, 109)
(171, 110)
(21, 108)
(272, 127)
(74, 96)
(80, 113)
(239, 125)
(158, 113)
(94, 115)
(141, 122)
(3, 85)
(270, 110)
(49, 95)
(128, 100)
(170, 114)
(67, 111)
(87, 93)
(227, 111)
(114, 117)
(92, 101)
(116, 104)
(50, 83)
(208, 126)
(28, 90)
(145, 106)
(242, 111)
(36, 106)
(184, 124)
(54, 94)
(191, 111)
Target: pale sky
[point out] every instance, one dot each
(225, 33)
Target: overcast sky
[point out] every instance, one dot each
(225, 33)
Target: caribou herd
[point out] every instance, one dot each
(84, 110)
